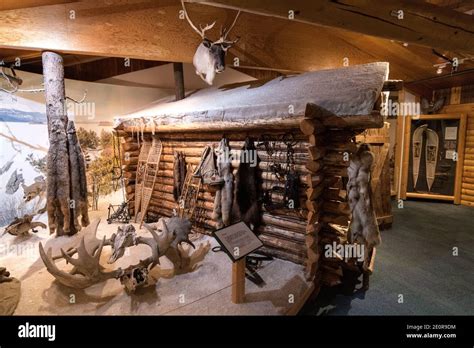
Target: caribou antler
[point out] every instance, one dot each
(201, 31)
(225, 32)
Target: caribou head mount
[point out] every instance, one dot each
(209, 58)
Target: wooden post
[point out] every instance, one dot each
(238, 281)
(66, 173)
(178, 80)
(58, 180)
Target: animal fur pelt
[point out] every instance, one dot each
(223, 199)
(431, 107)
(58, 185)
(246, 193)
(78, 179)
(179, 174)
(363, 227)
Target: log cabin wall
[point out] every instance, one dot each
(282, 231)
(461, 100)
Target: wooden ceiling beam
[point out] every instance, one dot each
(422, 23)
(152, 30)
(94, 68)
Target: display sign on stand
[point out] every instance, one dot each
(237, 241)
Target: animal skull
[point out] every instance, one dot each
(124, 238)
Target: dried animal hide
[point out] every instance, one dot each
(223, 199)
(58, 185)
(363, 227)
(78, 179)
(246, 194)
(179, 174)
(431, 107)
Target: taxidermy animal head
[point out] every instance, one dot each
(431, 107)
(209, 58)
(34, 190)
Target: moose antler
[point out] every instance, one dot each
(87, 270)
(202, 30)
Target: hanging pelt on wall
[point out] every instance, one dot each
(179, 174)
(58, 185)
(223, 199)
(78, 178)
(246, 205)
(363, 227)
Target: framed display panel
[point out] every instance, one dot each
(433, 155)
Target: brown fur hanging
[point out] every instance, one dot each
(246, 193)
(58, 185)
(223, 199)
(179, 174)
(78, 178)
(363, 227)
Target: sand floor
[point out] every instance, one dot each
(206, 290)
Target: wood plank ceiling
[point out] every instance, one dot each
(152, 30)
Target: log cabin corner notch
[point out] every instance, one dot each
(324, 110)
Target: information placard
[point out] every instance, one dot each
(237, 240)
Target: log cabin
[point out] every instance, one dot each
(323, 111)
(307, 82)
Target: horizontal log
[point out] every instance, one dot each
(316, 152)
(342, 147)
(335, 219)
(310, 126)
(313, 206)
(467, 186)
(469, 163)
(313, 193)
(298, 225)
(284, 255)
(469, 204)
(469, 180)
(467, 198)
(336, 171)
(218, 126)
(282, 233)
(335, 194)
(467, 192)
(374, 120)
(283, 244)
(337, 208)
(313, 180)
(313, 166)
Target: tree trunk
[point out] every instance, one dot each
(66, 193)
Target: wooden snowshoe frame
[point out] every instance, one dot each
(149, 179)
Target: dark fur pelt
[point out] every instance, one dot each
(58, 185)
(179, 174)
(246, 191)
(78, 178)
(223, 199)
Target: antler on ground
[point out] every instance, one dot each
(87, 270)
